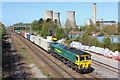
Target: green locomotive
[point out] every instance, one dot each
(74, 58)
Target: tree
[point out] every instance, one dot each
(45, 27)
(83, 28)
(110, 29)
(40, 23)
(27, 29)
(34, 26)
(98, 24)
(59, 33)
(52, 27)
(2, 29)
(92, 28)
(48, 20)
(85, 39)
(93, 42)
(77, 39)
(106, 42)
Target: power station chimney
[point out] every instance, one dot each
(48, 14)
(70, 19)
(56, 18)
(94, 13)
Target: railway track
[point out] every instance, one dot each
(55, 66)
(111, 68)
(16, 68)
(47, 60)
(106, 66)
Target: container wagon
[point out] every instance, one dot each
(28, 36)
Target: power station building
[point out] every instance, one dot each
(48, 14)
(56, 18)
(53, 16)
(88, 22)
(70, 19)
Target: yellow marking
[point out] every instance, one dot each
(58, 50)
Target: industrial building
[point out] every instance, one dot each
(88, 22)
(70, 19)
(107, 22)
(56, 18)
(48, 14)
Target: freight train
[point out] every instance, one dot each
(78, 60)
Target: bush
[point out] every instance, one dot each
(110, 29)
(59, 33)
(93, 42)
(85, 39)
(77, 39)
(106, 42)
(113, 46)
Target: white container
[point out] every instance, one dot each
(26, 35)
(37, 40)
(32, 38)
(49, 38)
(35, 37)
(44, 43)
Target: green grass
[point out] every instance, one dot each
(18, 43)
(24, 50)
(31, 60)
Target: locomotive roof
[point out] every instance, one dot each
(71, 49)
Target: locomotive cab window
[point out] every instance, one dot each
(76, 58)
(82, 58)
(88, 58)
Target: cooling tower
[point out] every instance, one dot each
(56, 17)
(48, 14)
(94, 13)
(70, 19)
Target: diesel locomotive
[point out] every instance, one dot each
(74, 58)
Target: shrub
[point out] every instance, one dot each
(93, 42)
(106, 42)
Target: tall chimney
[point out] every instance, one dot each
(94, 13)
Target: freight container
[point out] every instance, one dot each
(49, 38)
(35, 37)
(44, 43)
(37, 40)
(16, 31)
(23, 34)
(28, 36)
(32, 38)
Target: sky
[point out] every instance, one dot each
(27, 12)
